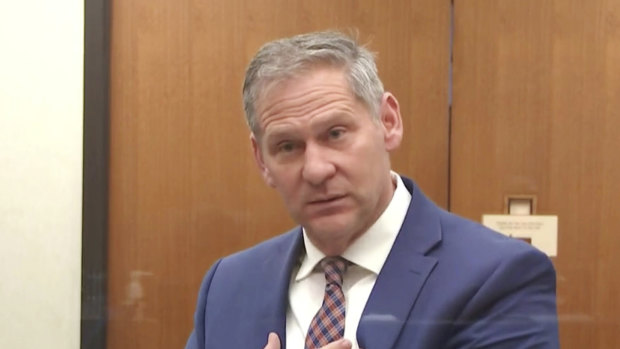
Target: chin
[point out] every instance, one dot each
(329, 228)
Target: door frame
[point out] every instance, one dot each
(95, 174)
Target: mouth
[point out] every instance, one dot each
(325, 200)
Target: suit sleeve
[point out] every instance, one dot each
(514, 308)
(196, 339)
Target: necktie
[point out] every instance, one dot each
(328, 323)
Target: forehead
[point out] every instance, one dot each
(307, 79)
(316, 88)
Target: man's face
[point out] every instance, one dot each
(320, 148)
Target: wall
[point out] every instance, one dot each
(41, 83)
(183, 187)
(536, 112)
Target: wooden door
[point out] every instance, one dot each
(536, 111)
(183, 186)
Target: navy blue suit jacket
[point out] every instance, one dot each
(447, 283)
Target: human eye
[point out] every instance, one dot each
(285, 147)
(336, 133)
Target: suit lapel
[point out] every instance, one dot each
(276, 276)
(403, 275)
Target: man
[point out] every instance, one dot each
(374, 263)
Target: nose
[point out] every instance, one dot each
(317, 165)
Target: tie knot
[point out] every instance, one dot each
(334, 268)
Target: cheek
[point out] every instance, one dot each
(286, 185)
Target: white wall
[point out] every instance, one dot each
(41, 78)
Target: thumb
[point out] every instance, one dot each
(273, 342)
(339, 344)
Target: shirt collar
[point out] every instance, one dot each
(371, 249)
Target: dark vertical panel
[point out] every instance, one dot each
(95, 176)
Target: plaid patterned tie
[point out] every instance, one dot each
(328, 323)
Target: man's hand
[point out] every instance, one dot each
(273, 342)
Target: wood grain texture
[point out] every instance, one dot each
(536, 111)
(184, 190)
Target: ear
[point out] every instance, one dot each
(391, 121)
(258, 158)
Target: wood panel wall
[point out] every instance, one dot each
(184, 190)
(537, 111)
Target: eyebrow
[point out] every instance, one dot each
(336, 116)
(279, 133)
(284, 131)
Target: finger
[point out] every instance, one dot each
(273, 342)
(339, 344)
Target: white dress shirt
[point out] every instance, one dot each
(367, 253)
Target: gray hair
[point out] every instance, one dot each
(285, 58)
